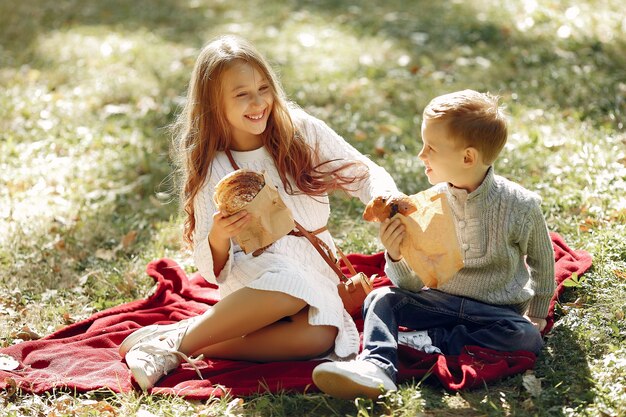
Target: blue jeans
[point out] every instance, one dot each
(452, 322)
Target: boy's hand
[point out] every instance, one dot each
(391, 233)
(539, 323)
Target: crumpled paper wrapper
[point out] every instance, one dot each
(271, 219)
(430, 246)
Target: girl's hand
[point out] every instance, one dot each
(226, 227)
(391, 234)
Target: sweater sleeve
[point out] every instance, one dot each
(204, 207)
(540, 261)
(401, 274)
(332, 147)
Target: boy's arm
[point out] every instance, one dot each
(391, 234)
(401, 274)
(540, 261)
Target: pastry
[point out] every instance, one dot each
(237, 189)
(385, 207)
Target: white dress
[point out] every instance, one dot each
(291, 264)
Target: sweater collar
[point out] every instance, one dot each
(251, 156)
(482, 193)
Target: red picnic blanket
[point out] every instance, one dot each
(84, 357)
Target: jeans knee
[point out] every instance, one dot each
(386, 296)
(527, 337)
(532, 340)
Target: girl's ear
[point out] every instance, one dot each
(470, 157)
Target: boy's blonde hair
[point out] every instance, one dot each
(472, 119)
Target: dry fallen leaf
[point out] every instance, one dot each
(67, 319)
(11, 388)
(588, 224)
(389, 128)
(578, 303)
(59, 245)
(620, 274)
(532, 384)
(128, 239)
(360, 135)
(26, 334)
(379, 147)
(105, 254)
(235, 405)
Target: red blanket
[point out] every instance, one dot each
(84, 357)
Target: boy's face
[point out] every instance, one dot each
(442, 155)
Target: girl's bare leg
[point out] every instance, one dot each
(295, 339)
(240, 313)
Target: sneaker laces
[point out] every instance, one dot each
(165, 353)
(419, 340)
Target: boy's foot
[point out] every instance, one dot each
(418, 340)
(158, 354)
(349, 380)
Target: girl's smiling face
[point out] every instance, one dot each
(248, 99)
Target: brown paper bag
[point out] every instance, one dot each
(271, 219)
(430, 246)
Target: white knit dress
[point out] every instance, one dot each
(290, 265)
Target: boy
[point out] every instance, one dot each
(500, 298)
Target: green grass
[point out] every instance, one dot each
(87, 89)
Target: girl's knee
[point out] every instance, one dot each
(318, 341)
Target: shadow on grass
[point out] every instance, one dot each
(567, 379)
(577, 76)
(566, 382)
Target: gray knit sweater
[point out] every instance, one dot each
(505, 245)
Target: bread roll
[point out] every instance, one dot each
(237, 189)
(385, 207)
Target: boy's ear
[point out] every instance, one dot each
(470, 156)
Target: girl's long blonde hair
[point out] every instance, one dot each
(201, 130)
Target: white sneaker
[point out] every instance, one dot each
(150, 332)
(418, 340)
(157, 354)
(349, 380)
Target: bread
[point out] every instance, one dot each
(385, 207)
(237, 189)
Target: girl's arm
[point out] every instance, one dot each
(224, 228)
(205, 211)
(331, 146)
(212, 249)
(204, 208)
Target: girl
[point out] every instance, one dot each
(282, 304)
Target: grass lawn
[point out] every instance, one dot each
(87, 89)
